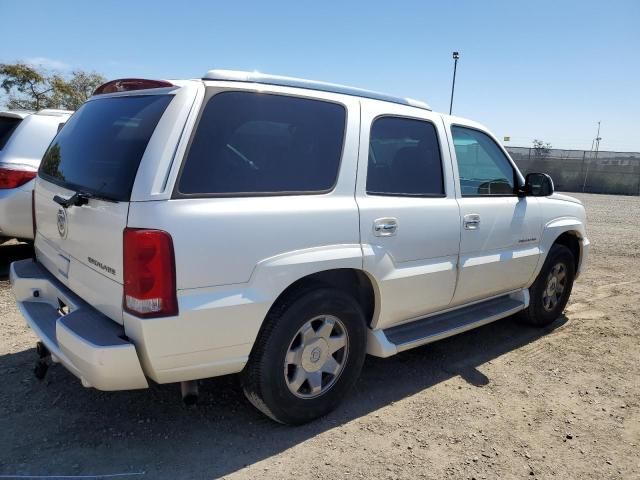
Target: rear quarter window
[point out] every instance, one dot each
(259, 144)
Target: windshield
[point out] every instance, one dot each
(99, 149)
(7, 126)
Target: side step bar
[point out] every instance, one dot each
(384, 343)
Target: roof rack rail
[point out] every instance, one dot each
(54, 112)
(263, 78)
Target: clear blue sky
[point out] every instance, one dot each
(543, 69)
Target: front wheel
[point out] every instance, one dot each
(550, 292)
(308, 355)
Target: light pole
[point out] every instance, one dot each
(456, 56)
(596, 142)
(598, 138)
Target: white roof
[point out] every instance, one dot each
(257, 77)
(52, 112)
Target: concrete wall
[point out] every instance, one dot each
(581, 171)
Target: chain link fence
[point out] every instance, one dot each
(582, 170)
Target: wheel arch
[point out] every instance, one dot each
(354, 281)
(571, 240)
(568, 231)
(340, 266)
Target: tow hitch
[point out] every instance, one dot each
(44, 360)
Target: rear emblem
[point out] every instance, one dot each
(62, 222)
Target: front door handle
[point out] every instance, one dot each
(385, 227)
(471, 221)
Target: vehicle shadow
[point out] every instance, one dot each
(56, 427)
(10, 252)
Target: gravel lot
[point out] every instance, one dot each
(504, 401)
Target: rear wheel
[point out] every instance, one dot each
(307, 356)
(550, 292)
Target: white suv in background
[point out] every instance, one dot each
(24, 137)
(282, 229)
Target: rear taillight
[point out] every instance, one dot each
(149, 273)
(12, 177)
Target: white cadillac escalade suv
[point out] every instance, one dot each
(282, 229)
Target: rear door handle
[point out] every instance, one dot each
(471, 221)
(385, 227)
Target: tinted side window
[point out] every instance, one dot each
(7, 126)
(404, 158)
(483, 167)
(253, 143)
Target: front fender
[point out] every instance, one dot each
(550, 233)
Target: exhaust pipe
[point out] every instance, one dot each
(44, 358)
(42, 350)
(189, 392)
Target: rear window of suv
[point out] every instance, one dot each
(7, 126)
(99, 149)
(259, 144)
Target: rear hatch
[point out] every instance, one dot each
(83, 191)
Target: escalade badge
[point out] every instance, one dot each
(62, 222)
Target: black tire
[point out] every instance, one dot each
(264, 379)
(541, 311)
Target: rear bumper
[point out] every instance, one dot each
(87, 343)
(15, 212)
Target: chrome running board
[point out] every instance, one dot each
(387, 342)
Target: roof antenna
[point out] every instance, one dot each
(456, 56)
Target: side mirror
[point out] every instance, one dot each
(538, 185)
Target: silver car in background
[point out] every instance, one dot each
(24, 137)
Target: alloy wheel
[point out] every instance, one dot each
(316, 356)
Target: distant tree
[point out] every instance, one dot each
(77, 89)
(31, 88)
(541, 148)
(26, 87)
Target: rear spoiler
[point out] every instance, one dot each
(129, 84)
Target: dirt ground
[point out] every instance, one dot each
(504, 401)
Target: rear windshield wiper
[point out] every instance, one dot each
(80, 198)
